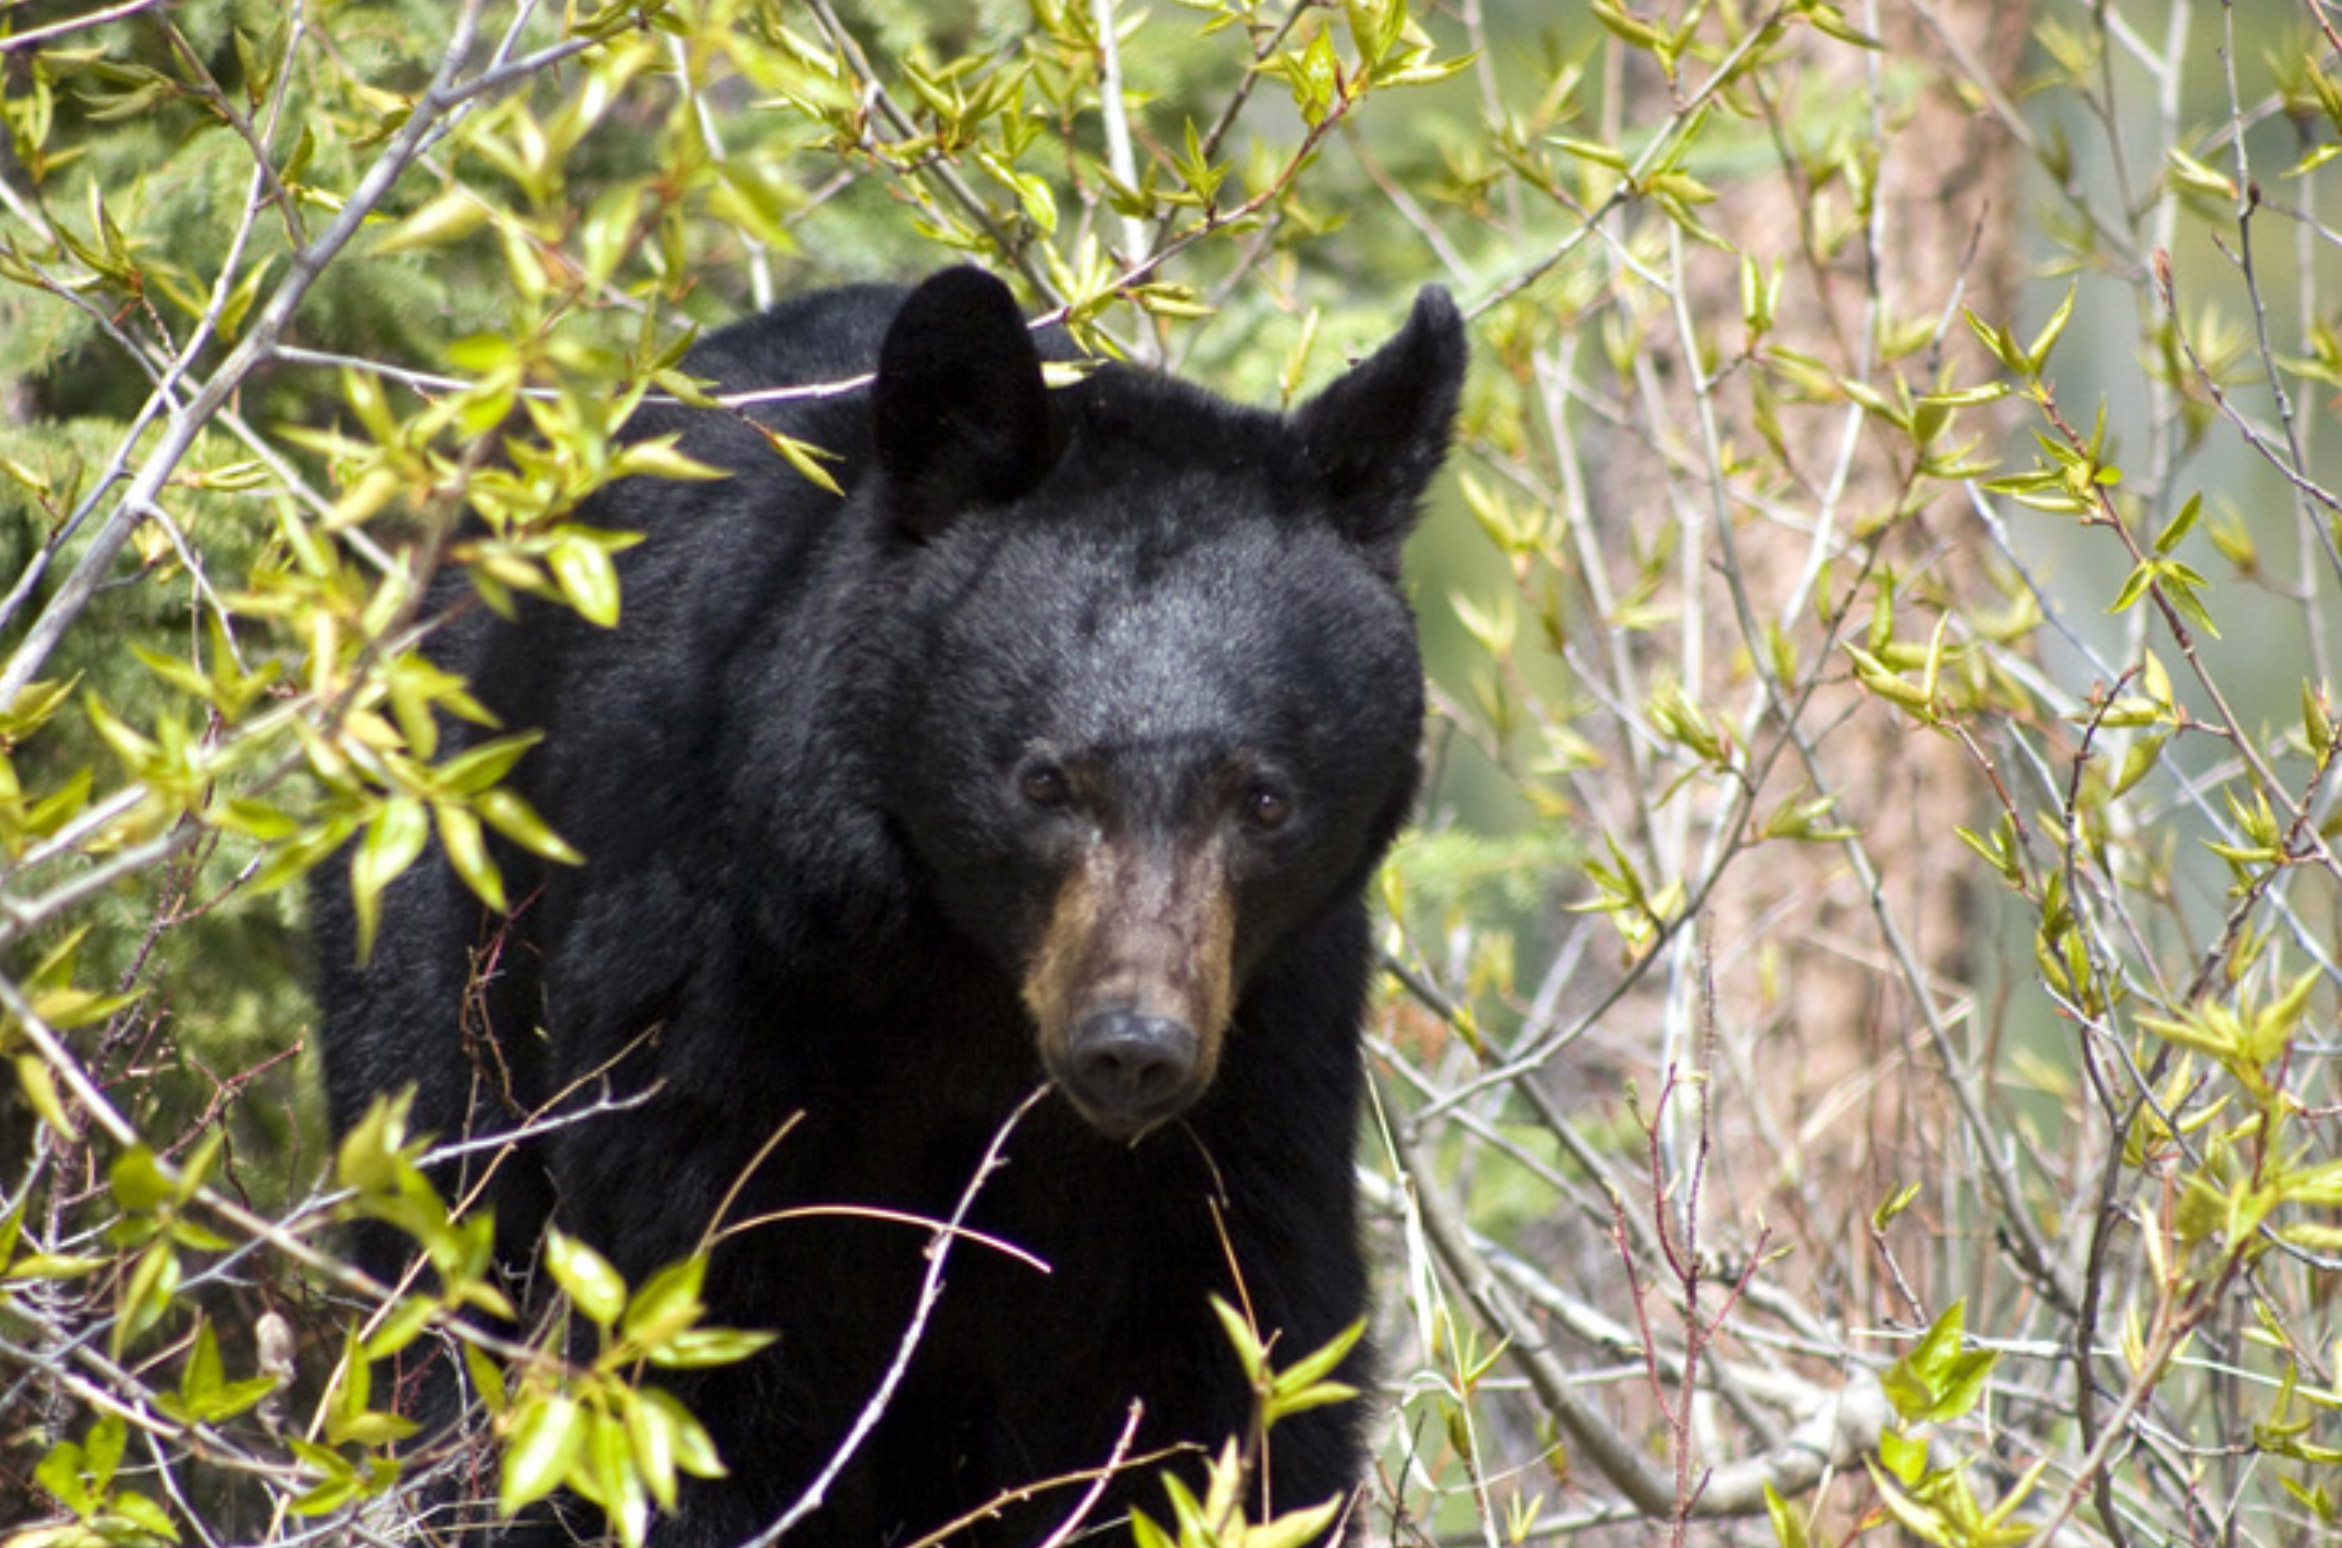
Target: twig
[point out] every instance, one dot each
(1114, 112)
(1835, 1435)
(930, 1292)
(56, 29)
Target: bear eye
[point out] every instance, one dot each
(1266, 808)
(1045, 785)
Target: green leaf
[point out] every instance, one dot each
(137, 1181)
(204, 1374)
(619, 1487)
(657, 457)
(1250, 1352)
(587, 578)
(1894, 1205)
(33, 705)
(1788, 1525)
(1830, 21)
(367, 1159)
(40, 1091)
(400, 1328)
(547, 1437)
(205, 1396)
(1937, 1379)
(353, 1385)
(1962, 1384)
(697, 1348)
(518, 821)
(1145, 1534)
(451, 217)
(196, 1169)
(146, 1295)
(1304, 1384)
(1996, 341)
(234, 1398)
(60, 1474)
(2138, 761)
(2037, 353)
(592, 1284)
(1888, 684)
(1920, 1521)
(804, 456)
(2193, 176)
(1426, 73)
(393, 839)
(478, 768)
(1628, 27)
(487, 1377)
(2317, 720)
(695, 1451)
(666, 1304)
(102, 1450)
(651, 1441)
(1320, 1362)
(2135, 586)
(1375, 25)
(141, 1514)
(2183, 585)
(2169, 538)
(55, 1266)
(1590, 150)
(1314, 75)
(1903, 1455)
(1294, 1528)
(467, 854)
(339, 1484)
(608, 230)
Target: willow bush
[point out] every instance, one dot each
(1858, 1047)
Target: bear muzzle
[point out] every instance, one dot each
(1130, 987)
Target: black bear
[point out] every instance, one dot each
(1060, 750)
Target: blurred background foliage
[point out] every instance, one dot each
(1858, 1056)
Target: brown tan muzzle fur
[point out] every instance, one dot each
(1132, 982)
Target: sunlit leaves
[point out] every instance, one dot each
(1390, 49)
(620, 1443)
(82, 1477)
(1218, 1518)
(1938, 1378)
(378, 1160)
(1937, 1381)
(2246, 1041)
(596, 1430)
(1789, 1528)
(540, 1449)
(1633, 906)
(391, 843)
(60, 1003)
(450, 217)
(2173, 580)
(586, 1277)
(2026, 361)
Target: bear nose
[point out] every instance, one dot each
(1130, 1069)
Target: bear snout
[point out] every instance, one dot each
(1128, 1071)
(1131, 986)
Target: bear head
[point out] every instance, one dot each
(1152, 694)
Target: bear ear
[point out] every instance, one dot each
(958, 411)
(1379, 432)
